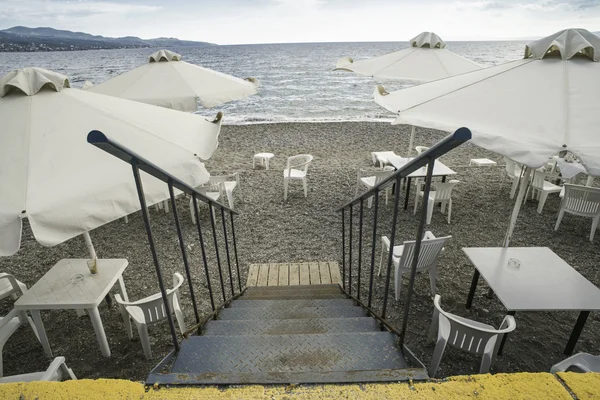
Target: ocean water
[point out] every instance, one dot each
(298, 83)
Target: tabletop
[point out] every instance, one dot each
(439, 168)
(70, 285)
(533, 279)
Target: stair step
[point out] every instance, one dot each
(298, 287)
(294, 292)
(289, 326)
(292, 303)
(293, 313)
(332, 357)
(293, 296)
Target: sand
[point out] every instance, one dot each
(308, 229)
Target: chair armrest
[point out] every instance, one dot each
(428, 235)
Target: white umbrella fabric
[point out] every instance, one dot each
(425, 60)
(65, 187)
(527, 110)
(167, 81)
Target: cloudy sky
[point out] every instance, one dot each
(277, 21)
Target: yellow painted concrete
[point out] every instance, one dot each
(584, 386)
(500, 386)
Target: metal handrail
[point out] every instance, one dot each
(460, 136)
(101, 141)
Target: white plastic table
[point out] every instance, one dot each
(439, 169)
(264, 159)
(534, 279)
(70, 285)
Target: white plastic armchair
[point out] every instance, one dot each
(9, 325)
(229, 182)
(57, 371)
(296, 168)
(466, 335)
(210, 190)
(583, 201)
(513, 171)
(431, 248)
(370, 178)
(441, 193)
(151, 310)
(580, 362)
(421, 149)
(10, 286)
(541, 188)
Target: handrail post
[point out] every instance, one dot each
(417, 250)
(360, 234)
(203, 250)
(227, 250)
(343, 249)
(350, 252)
(375, 212)
(161, 283)
(391, 251)
(237, 264)
(184, 256)
(214, 232)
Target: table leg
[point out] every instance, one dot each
(267, 164)
(407, 192)
(472, 289)
(123, 290)
(99, 329)
(39, 326)
(504, 336)
(583, 315)
(490, 294)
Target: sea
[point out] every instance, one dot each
(298, 81)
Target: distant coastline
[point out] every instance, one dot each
(24, 39)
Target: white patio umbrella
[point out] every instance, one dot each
(167, 81)
(65, 187)
(426, 59)
(526, 110)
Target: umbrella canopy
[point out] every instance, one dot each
(425, 60)
(50, 175)
(527, 110)
(167, 81)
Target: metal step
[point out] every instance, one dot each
(341, 357)
(293, 296)
(290, 326)
(335, 287)
(293, 313)
(292, 303)
(294, 292)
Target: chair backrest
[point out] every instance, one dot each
(428, 255)
(471, 337)
(421, 149)
(538, 179)
(225, 178)
(153, 306)
(300, 161)
(581, 200)
(443, 191)
(513, 168)
(9, 286)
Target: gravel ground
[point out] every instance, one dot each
(308, 229)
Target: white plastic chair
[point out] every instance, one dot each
(421, 149)
(431, 248)
(466, 335)
(10, 286)
(210, 190)
(57, 371)
(581, 362)
(441, 193)
(9, 325)
(296, 168)
(229, 182)
(370, 178)
(583, 201)
(151, 310)
(541, 188)
(513, 171)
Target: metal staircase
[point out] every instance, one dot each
(289, 334)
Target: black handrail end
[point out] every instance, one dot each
(96, 137)
(462, 134)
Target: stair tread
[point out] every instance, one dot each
(292, 303)
(290, 313)
(295, 287)
(289, 326)
(329, 352)
(293, 296)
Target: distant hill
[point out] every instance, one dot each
(22, 38)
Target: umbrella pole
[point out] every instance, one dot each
(515, 214)
(411, 140)
(590, 181)
(89, 245)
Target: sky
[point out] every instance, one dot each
(285, 21)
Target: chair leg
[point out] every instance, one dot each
(437, 356)
(416, 202)
(145, 340)
(386, 196)
(594, 227)
(398, 283)
(433, 328)
(449, 209)
(486, 362)
(513, 189)
(285, 188)
(432, 279)
(126, 321)
(305, 184)
(543, 197)
(561, 214)
(369, 202)
(192, 213)
(381, 258)
(429, 211)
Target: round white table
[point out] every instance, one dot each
(264, 159)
